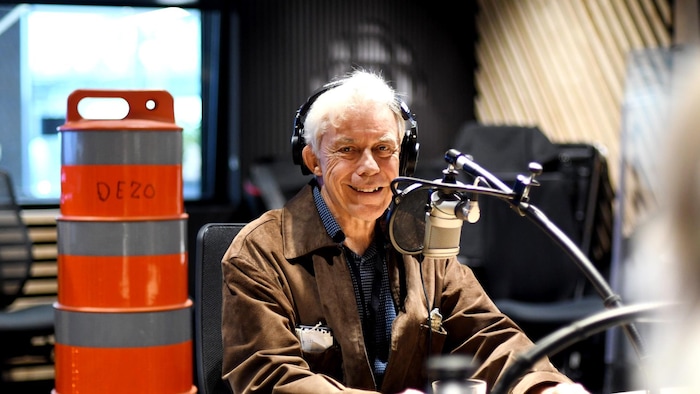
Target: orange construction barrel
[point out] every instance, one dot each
(130, 167)
(123, 316)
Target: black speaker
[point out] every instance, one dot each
(409, 145)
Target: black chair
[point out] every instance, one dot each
(528, 275)
(212, 241)
(19, 326)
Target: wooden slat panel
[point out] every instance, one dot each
(40, 287)
(45, 252)
(642, 24)
(26, 373)
(664, 8)
(656, 22)
(607, 48)
(37, 217)
(29, 301)
(624, 16)
(562, 65)
(43, 234)
(44, 269)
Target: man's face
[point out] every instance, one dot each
(357, 162)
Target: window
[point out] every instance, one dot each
(53, 50)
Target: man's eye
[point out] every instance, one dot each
(345, 149)
(384, 150)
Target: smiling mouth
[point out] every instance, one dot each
(366, 190)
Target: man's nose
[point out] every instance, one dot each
(368, 163)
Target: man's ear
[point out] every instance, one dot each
(311, 161)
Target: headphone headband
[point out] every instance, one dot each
(408, 157)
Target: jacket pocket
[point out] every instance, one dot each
(328, 362)
(430, 343)
(433, 341)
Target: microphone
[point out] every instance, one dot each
(443, 227)
(443, 220)
(427, 217)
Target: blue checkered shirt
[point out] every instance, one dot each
(377, 310)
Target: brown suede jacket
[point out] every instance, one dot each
(283, 271)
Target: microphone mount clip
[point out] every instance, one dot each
(522, 187)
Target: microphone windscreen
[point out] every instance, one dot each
(407, 219)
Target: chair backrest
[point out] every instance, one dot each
(212, 241)
(15, 245)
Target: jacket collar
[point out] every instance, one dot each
(299, 218)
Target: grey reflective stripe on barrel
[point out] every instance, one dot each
(119, 330)
(131, 238)
(121, 147)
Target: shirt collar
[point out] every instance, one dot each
(331, 225)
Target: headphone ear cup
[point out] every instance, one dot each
(298, 141)
(409, 153)
(409, 145)
(298, 144)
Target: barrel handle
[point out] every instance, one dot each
(137, 100)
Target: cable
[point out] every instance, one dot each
(427, 303)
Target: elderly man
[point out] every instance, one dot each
(316, 300)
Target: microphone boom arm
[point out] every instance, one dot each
(610, 299)
(447, 187)
(525, 208)
(519, 200)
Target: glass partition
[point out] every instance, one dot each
(48, 51)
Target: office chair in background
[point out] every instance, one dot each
(19, 325)
(212, 241)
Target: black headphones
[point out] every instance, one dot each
(409, 145)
